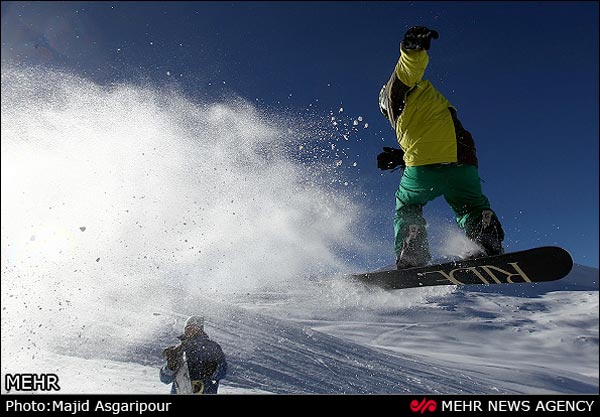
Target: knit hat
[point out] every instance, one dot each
(195, 321)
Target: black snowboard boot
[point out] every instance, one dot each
(415, 249)
(487, 232)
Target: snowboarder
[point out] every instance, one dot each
(437, 155)
(204, 358)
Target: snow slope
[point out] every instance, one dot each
(408, 341)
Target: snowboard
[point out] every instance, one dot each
(182, 378)
(541, 264)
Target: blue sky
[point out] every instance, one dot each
(523, 76)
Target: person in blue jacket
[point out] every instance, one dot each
(205, 359)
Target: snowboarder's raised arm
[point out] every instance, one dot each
(413, 55)
(411, 67)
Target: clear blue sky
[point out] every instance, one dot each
(523, 75)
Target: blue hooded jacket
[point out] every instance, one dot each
(206, 363)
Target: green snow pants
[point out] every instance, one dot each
(458, 183)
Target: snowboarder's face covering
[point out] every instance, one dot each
(383, 102)
(192, 330)
(193, 326)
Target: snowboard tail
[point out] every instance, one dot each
(182, 378)
(542, 264)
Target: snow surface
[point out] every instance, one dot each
(436, 341)
(127, 208)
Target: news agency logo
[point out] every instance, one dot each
(31, 382)
(423, 406)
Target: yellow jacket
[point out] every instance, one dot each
(424, 120)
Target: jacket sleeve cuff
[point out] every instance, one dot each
(167, 375)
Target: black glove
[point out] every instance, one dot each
(419, 38)
(173, 355)
(390, 158)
